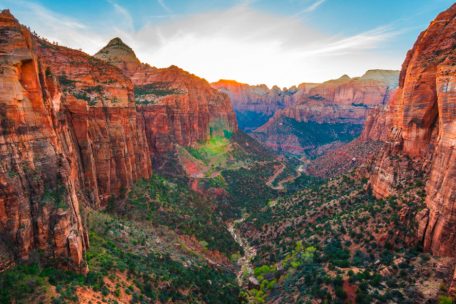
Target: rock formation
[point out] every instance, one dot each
(77, 131)
(344, 99)
(422, 131)
(109, 132)
(254, 105)
(178, 107)
(40, 199)
(322, 117)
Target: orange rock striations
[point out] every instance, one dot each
(77, 131)
(177, 107)
(422, 129)
(109, 132)
(341, 105)
(40, 197)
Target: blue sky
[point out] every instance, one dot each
(254, 41)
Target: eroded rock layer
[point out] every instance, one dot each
(40, 199)
(77, 131)
(422, 130)
(102, 113)
(177, 107)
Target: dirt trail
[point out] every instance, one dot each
(289, 179)
(276, 174)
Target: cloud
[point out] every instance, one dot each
(240, 43)
(314, 6)
(255, 47)
(367, 40)
(70, 31)
(123, 12)
(164, 6)
(53, 26)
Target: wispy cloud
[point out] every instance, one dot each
(163, 4)
(256, 47)
(313, 6)
(366, 40)
(124, 13)
(241, 43)
(62, 28)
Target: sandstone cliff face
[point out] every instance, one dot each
(423, 130)
(102, 113)
(39, 180)
(76, 131)
(257, 98)
(177, 107)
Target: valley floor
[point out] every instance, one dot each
(263, 232)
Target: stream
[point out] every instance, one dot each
(245, 261)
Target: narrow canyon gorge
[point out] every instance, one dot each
(122, 182)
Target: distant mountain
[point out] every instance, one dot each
(311, 118)
(254, 105)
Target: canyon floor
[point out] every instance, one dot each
(121, 182)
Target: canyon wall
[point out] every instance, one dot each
(177, 107)
(421, 122)
(109, 132)
(40, 199)
(345, 99)
(77, 131)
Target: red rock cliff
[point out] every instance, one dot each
(423, 129)
(340, 106)
(102, 113)
(40, 199)
(178, 107)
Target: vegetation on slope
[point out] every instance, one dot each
(136, 261)
(171, 203)
(311, 135)
(337, 243)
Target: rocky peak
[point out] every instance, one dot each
(390, 77)
(344, 77)
(7, 19)
(6, 14)
(117, 53)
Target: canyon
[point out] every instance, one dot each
(74, 136)
(121, 181)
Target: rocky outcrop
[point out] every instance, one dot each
(77, 131)
(259, 98)
(109, 132)
(117, 53)
(177, 107)
(423, 132)
(40, 199)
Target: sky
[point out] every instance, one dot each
(275, 42)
